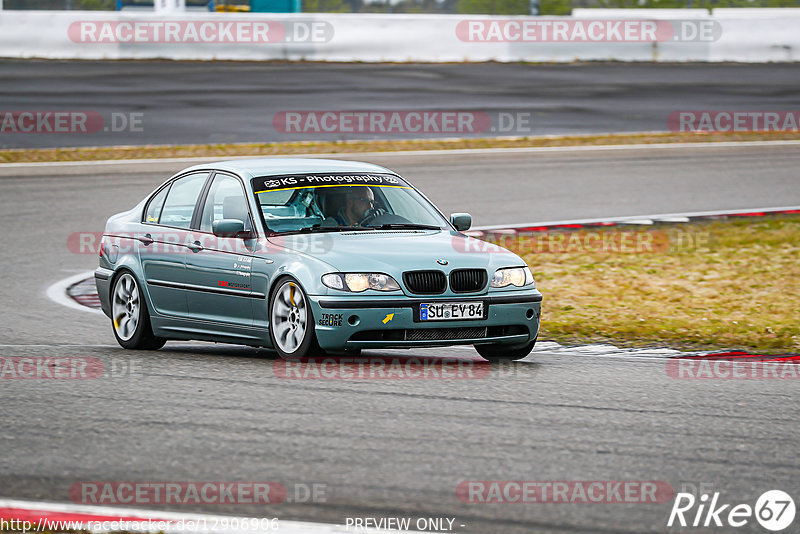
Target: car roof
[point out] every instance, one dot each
(275, 166)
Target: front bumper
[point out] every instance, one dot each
(348, 322)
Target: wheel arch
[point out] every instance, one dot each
(276, 281)
(129, 266)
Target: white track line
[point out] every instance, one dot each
(639, 219)
(284, 527)
(587, 148)
(595, 351)
(390, 153)
(620, 356)
(57, 292)
(68, 346)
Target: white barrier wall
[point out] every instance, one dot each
(744, 35)
(757, 35)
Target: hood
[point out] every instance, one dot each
(395, 251)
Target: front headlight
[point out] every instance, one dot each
(358, 282)
(514, 276)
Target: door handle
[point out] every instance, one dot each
(146, 239)
(195, 247)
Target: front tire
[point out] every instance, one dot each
(129, 316)
(499, 352)
(291, 323)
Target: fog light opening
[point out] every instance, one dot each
(529, 313)
(353, 320)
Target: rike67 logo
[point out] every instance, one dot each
(774, 510)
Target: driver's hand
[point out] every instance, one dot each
(368, 216)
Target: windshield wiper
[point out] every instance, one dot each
(394, 226)
(405, 226)
(321, 229)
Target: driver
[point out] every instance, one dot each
(358, 202)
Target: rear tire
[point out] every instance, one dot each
(499, 352)
(130, 319)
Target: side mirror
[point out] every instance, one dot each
(228, 228)
(462, 221)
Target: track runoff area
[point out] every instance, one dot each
(29, 515)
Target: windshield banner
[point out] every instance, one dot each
(295, 181)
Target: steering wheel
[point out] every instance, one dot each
(369, 215)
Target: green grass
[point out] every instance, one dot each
(724, 284)
(218, 151)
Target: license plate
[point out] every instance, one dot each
(450, 311)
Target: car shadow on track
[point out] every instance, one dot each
(428, 363)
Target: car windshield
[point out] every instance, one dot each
(337, 202)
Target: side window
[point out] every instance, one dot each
(182, 197)
(225, 200)
(153, 211)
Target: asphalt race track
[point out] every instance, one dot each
(191, 102)
(204, 412)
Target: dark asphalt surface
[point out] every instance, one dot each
(221, 102)
(200, 412)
